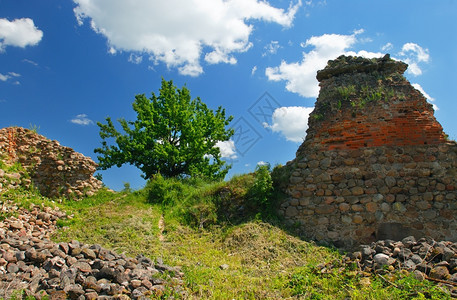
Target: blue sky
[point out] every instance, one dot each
(64, 65)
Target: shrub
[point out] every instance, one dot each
(280, 176)
(127, 188)
(191, 200)
(262, 189)
(162, 190)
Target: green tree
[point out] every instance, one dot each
(173, 135)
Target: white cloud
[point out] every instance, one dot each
(271, 48)
(262, 163)
(135, 59)
(82, 119)
(177, 32)
(300, 77)
(413, 54)
(413, 67)
(4, 77)
(291, 121)
(426, 95)
(19, 33)
(254, 69)
(227, 149)
(9, 76)
(218, 56)
(420, 53)
(30, 62)
(387, 47)
(364, 53)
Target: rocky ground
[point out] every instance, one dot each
(32, 263)
(425, 258)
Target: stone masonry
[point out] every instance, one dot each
(375, 163)
(54, 169)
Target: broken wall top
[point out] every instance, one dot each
(368, 103)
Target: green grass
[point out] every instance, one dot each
(264, 261)
(344, 282)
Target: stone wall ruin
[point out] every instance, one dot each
(375, 163)
(54, 169)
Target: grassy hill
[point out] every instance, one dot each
(226, 239)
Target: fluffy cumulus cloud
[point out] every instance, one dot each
(414, 55)
(227, 149)
(82, 119)
(291, 122)
(19, 33)
(179, 32)
(300, 76)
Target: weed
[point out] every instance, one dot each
(34, 128)
(34, 149)
(389, 94)
(317, 116)
(346, 92)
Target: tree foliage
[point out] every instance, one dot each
(173, 135)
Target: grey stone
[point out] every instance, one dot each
(346, 219)
(390, 181)
(409, 265)
(382, 259)
(291, 211)
(416, 259)
(367, 251)
(325, 163)
(385, 207)
(409, 241)
(418, 275)
(397, 206)
(12, 268)
(440, 272)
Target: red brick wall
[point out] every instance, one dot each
(404, 123)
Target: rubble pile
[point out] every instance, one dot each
(424, 258)
(32, 263)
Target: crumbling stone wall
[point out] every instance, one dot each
(375, 163)
(54, 169)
